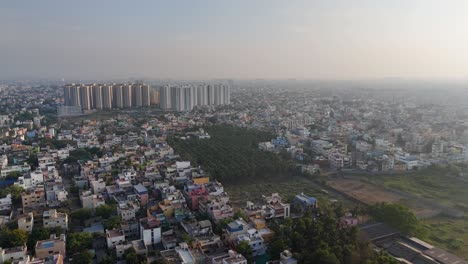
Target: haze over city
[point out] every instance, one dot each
(420, 39)
(234, 132)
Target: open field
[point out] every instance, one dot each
(433, 185)
(370, 194)
(430, 185)
(448, 233)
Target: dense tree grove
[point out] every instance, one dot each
(322, 240)
(12, 238)
(232, 154)
(399, 217)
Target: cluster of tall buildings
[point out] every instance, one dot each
(186, 97)
(108, 96)
(168, 97)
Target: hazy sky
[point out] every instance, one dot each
(198, 39)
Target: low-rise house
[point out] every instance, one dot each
(255, 241)
(197, 228)
(50, 247)
(128, 210)
(91, 201)
(33, 198)
(52, 218)
(114, 237)
(286, 257)
(5, 203)
(231, 258)
(275, 208)
(150, 231)
(54, 259)
(142, 194)
(304, 202)
(235, 229)
(15, 254)
(26, 222)
(98, 186)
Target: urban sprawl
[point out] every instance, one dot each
(91, 173)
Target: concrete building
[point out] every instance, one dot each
(137, 99)
(107, 94)
(127, 96)
(33, 198)
(117, 96)
(145, 95)
(150, 231)
(14, 255)
(97, 97)
(26, 222)
(50, 247)
(231, 258)
(114, 237)
(85, 97)
(54, 259)
(52, 218)
(154, 97)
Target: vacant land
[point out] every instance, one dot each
(449, 233)
(370, 194)
(438, 186)
(429, 184)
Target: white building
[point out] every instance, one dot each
(150, 231)
(255, 241)
(98, 186)
(5, 203)
(52, 218)
(26, 222)
(127, 211)
(114, 237)
(13, 255)
(91, 201)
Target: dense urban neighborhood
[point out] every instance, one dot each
(198, 172)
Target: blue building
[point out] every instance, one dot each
(305, 202)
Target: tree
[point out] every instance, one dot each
(112, 222)
(131, 257)
(37, 234)
(84, 257)
(397, 216)
(244, 248)
(82, 214)
(12, 238)
(105, 211)
(78, 242)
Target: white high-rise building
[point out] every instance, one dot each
(165, 97)
(107, 97)
(117, 99)
(97, 97)
(145, 95)
(127, 96)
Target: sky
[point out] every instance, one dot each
(242, 39)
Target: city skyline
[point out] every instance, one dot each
(235, 40)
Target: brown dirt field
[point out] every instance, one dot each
(370, 194)
(364, 192)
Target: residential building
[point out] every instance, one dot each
(114, 237)
(33, 198)
(13, 255)
(26, 222)
(52, 218)
(150, 231)
(50, 247)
